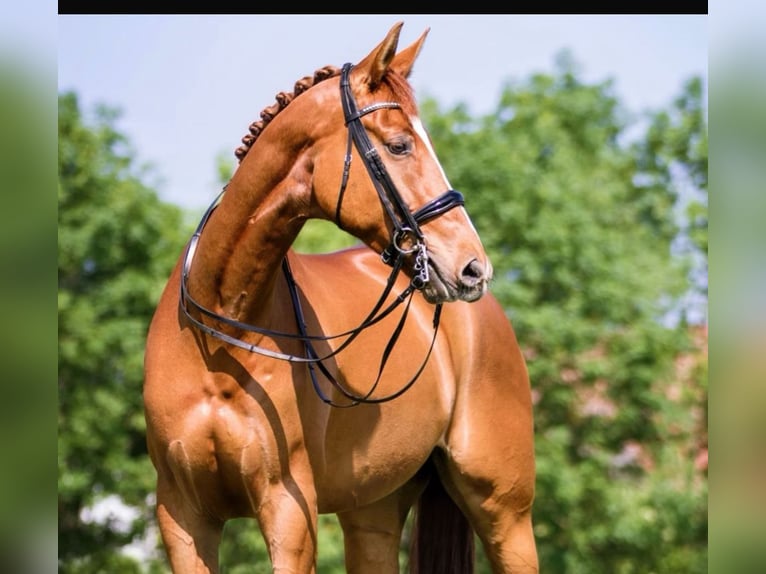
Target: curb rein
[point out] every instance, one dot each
(406, 226)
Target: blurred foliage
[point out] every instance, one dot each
(320, 236)
(598, 235)
(584, 230)
(27, 287)
(738, 364)
(117, 243)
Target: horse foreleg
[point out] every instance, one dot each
(499, 507)
(372, 533)
(488, 468)
(288, 522)
(191, 539)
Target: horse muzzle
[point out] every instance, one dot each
(469, 285)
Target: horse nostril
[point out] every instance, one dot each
(473, 273)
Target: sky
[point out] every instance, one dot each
(188, 86)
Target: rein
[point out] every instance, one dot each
(406, 225)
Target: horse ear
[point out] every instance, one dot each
(375, 64)
(405, 59)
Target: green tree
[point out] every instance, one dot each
(581, 227)
(117, 243)
(672, 162)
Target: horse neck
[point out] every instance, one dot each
(242, 246)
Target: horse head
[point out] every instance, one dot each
(402, 203)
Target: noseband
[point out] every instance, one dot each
(406, 229)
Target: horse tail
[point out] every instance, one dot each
(442, 538)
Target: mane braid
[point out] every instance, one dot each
(397, 83)
(283, 100)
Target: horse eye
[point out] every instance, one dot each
(398, 147)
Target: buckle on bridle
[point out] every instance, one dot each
(420, 268)
(396, 249)
(402, 234)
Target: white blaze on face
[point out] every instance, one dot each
(417, 125)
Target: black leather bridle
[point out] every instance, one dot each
(406, 239)
(406, 224)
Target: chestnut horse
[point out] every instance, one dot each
(279, 386)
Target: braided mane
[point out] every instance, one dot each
(395, 81)
(283, 99)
